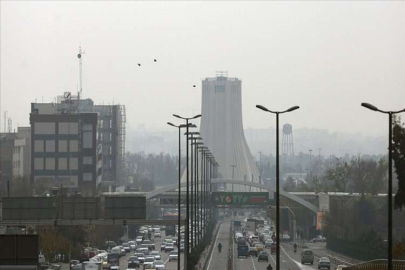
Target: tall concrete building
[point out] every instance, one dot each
(110, 139)
(222, 130)
(22, 153)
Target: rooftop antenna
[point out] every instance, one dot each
(80, 71)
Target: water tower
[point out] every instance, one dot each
(288, 143)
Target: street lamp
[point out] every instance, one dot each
(179, 195)
(204, 150)
(186, 240)
(277, 178)
(390, 113)
(196, 201)
(190, 136)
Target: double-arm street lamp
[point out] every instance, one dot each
(196, 200)
(390, 114)
(190, 136)
(187, 233)
(204, 151)
(179, 194)
(277, 178)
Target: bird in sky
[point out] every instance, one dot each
(139, 64)
(154, 60)
(194, 85)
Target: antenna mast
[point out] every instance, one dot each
(80, 94)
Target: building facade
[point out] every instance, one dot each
(63, 147)
(22, 153)
(111, 135)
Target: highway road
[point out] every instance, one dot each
(289, 260)
(165, 257)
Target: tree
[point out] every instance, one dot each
(398, 155)
(338, 176)
(52, 243)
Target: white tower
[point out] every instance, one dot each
(222, 130)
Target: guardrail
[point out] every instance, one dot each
(378, 265)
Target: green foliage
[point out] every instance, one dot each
(338, 176)
(398, 155)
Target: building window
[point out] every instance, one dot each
(73, 146)
(62, 144)
(87, 139)
(39, 146)
(73, 163)
(87, 177)
(50, 163)
(62, 164)
(68, 128)
(110, 150)
(87, 160)
(45, 128)
(49, 146)
(38, 163)
(220, 88)
(88, 127)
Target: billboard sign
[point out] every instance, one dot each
(17, 208)
(79, 208)
(19, 249)
(240, 198)
(125, 208)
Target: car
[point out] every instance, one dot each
(141, 257)
(149, 266)
(259, 247)
(77, 267)
(253, 251)
(133, 262)
(158, 235)
(162, 246)
(132, 245)
(150, 259)
(173, 256)
(324, 262)
(115, 267)
(138, 240)
(263, 256)
(126, 247)
(156, 254)
(318, 239)
(307, 256)
(169, 247)
(268, 243)
(71, 263)
(160, 265)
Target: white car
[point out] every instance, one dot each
(157, 235)
(160, 265)
(174, 256)
(156, 254)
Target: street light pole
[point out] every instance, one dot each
(179, 193)
(277, 178)
(187, 233)
(390, 114)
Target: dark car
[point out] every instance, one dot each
(252, 251)
(133, 262)
(263, 256)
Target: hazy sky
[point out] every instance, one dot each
(326, 57)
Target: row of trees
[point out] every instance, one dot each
(359, 175)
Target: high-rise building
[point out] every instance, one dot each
(111, 135)
(222, 130)
(63, 149)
